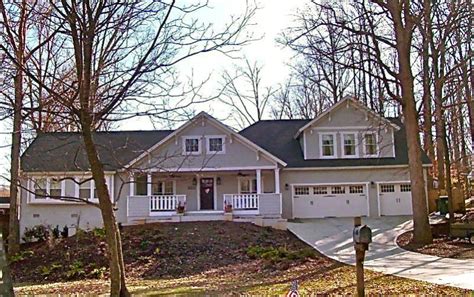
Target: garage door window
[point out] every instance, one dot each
(338, 190)
(320, 190)
(405, 188)
(356, 189)
(301, 190)
(387, 188)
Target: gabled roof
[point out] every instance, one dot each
(277, 136)
(64, 151)
(225, 128)
(347, 100)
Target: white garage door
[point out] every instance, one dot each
(319, 201)
(395, 199)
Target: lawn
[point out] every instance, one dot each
(211, 257)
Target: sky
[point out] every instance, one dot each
(272, 17)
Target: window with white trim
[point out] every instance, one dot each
(192, 145)
(356, 189)
(301, 190)
(370, 144)
(40, 188)
(162, 187)
(387, 188)
(86, 189)
(248, 186)
(405, 188)
(349, 145)
(327, 145)
(338, 190)
(141, 182)
(215, 144)
(320, 190)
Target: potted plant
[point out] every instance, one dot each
(180, 208)
(227, 207)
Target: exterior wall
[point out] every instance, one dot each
(329, 176)
(237, 155)
(349, 120)
(270, 205)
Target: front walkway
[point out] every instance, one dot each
(333, 238)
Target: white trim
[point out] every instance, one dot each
(61, 173)
(341, 128)
(305, 151)
(131, 185)
(184, 138)
(203, 169)
(377, 146)
(199, 191)
(393, 144)
(259, 181)
(334, 146)
(378, 183)
(277, 180)
(208, 144)
(350, 167)
(348, 100)
(216, 123)
(329, 184)
(356, 145)
(149, 190)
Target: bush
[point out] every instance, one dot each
(275, 255)
(99, 232)
(75, 269)
(36, 233)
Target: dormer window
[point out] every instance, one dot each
(192, 145)
(349, 145)
(215, 145)
(370, 144)
(327, 146)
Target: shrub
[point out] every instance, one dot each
(275, 255)
(99, 232)
(144, 244)
(21, 256)
(36, 233)
(75, 269)
(98, 272)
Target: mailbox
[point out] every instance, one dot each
(362, 234)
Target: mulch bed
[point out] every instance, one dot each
(164, 250)
(442, 246)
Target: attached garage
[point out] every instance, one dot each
(329, 200)
(394, 199)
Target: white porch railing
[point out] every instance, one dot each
(166, 203)
(242, 201)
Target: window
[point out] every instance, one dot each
(215, 144)
(39, 186)
(85, 188)
(327, 145)
(387, 188)
(301, 190)
(370, 144)
(349, 144)
(141, 185)
(405, 188)
(338, 190)
(162, 187)
(192, 146)
(356, 189)
(320, 190)
(55, 188)
(248, 186)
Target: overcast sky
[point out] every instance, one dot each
(272, 17)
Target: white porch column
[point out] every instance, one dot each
(259, 181)
(148, 184)
(132, 185)
(277, 180)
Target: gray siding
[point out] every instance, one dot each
(339, 121)
(269, 205)
(138, 207)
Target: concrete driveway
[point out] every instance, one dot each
(333, 238)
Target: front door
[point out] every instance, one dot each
(207, 193)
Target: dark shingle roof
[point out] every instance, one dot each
(64, 151)
(277, 137)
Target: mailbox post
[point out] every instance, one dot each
(362, 236)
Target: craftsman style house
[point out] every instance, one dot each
(349, 161)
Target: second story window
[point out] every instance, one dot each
(39, 186)
(192, 146)
(327, 145)
(215, 145)
(349, 145)
(370, 144)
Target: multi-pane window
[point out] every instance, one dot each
(349, 148)
(215, 145)
(370, 142)
(161, 187)
(85, 189)
(387, 188)
(55, 187)
(338, 190)
(299, 190)
(319, 190)
(141, 184)
(191, 146)
(39, 186)
(248, 186)
(356, 189)
(405, 188)
(327, 145)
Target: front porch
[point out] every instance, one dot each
(204, 195)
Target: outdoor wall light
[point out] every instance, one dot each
(218, 180)
(287, 187)
(195, 182)
(372, 184)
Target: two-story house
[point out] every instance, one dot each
(349, 161)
